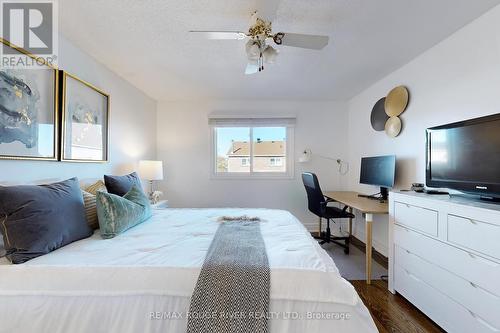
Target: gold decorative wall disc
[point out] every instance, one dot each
(396, 101)
(393, 127)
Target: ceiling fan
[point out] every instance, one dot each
(260, 36)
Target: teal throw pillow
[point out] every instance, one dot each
(117, 214)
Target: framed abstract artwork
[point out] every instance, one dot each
(28, 111)
(85, 121)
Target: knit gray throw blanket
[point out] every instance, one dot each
(232, 291)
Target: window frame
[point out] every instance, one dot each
(290, 161)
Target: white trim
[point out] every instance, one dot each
(251, 151)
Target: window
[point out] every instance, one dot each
(252, 148)
(233, 150)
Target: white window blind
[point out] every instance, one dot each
(230, 121)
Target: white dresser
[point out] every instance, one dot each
(444, 257)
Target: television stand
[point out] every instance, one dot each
(441, 241)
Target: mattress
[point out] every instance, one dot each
(142, 280)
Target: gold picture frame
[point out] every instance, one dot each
(71, 151)
(54, 99)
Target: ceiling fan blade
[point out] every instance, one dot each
(267, 9)
(314, 42)
(219, 34)
(251, 68)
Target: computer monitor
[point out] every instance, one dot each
(379, 171)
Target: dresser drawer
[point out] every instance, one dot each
(450, 315)
(476, 235)
(483, 304)
(418, 218)
(480, 271)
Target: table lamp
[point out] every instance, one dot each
(151, 171)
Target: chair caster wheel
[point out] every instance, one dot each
(346, 251)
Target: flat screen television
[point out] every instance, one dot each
(465, 156)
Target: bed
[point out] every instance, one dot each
(142, 280)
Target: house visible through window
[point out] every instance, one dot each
(276, 161)
(252, 150)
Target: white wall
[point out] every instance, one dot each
(132, 126)
(455, 80)
(184, 146)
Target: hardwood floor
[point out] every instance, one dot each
(393, 313)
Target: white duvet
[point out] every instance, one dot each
(141, 281)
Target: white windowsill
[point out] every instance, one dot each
(261, 176)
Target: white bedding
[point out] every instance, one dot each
(139, 280)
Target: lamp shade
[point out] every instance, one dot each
(151, 170)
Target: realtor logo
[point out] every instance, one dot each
(30, 25)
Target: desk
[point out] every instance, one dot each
(368, 207)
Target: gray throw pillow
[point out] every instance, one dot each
(120, 185)
(36, 220)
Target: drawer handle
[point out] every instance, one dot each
(483, 290)
(472, 221)
(487, 262)
(412, 276)
(483, 322)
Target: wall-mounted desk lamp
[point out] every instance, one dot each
(307, 155)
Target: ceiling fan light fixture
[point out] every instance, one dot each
(278, 38)
(260, 35)
(270, 54)
(253, 50)
(260, 28)
(252, 67)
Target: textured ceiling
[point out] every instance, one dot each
(147, 43)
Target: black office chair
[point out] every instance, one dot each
(317, 204)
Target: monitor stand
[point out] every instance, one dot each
(383, 196)
(384, 193)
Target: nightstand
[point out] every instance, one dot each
(162, 204)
